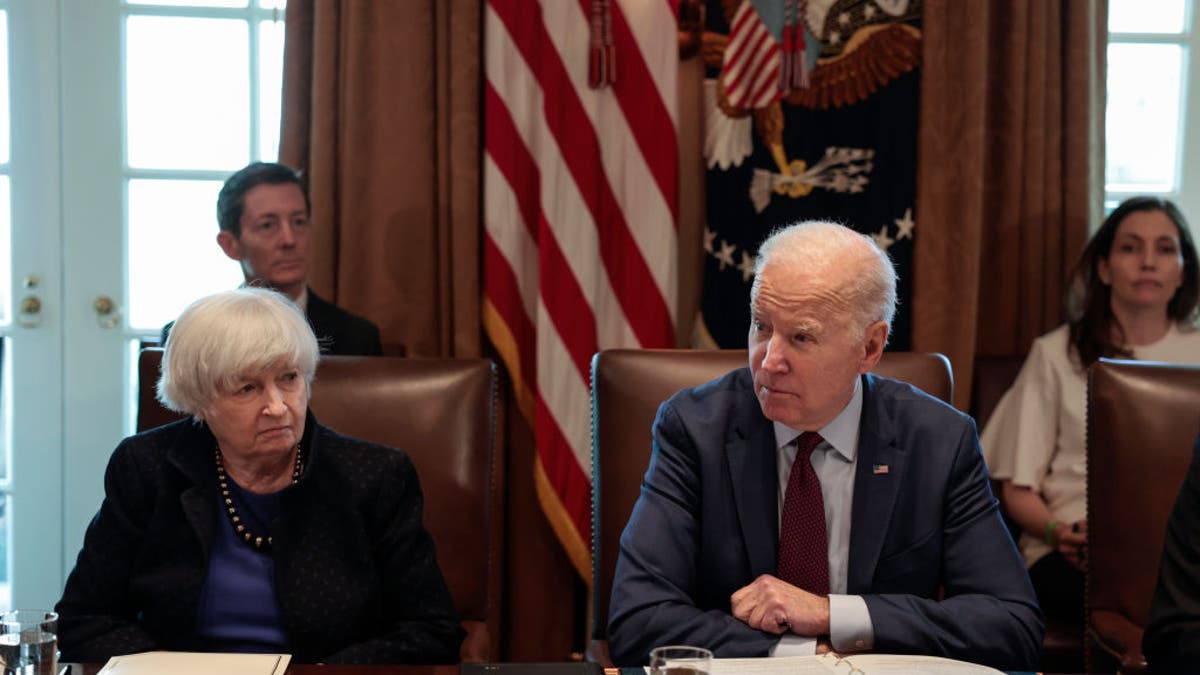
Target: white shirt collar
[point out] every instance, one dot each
(841, 432)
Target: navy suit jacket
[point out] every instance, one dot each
(706, 524)
(339, 331)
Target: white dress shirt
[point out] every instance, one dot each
(834, 460)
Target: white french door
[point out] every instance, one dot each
(120, 120)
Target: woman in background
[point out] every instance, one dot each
(1133, 294)
(251, 527)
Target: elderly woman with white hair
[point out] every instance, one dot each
(251, 527)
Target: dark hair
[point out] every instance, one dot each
(1089, 300)
(232, 198)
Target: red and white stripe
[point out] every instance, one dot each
(750, 73)
(580, 198)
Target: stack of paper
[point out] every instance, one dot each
(193, 663)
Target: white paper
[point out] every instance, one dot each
(196, 663)
(779, 665)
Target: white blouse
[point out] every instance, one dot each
(1036, 436)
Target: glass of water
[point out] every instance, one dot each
(680, 660)
(29, 642)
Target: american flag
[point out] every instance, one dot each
(580, 218)
(750, 74)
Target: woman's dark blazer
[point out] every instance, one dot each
(355, 572)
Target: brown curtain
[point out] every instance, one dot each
(1010, 170)
(381, 109)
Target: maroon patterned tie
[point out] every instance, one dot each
(803, 546)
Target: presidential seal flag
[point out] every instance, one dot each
(834, 137)
(580, 211)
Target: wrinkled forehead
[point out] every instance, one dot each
(253, 370)
(267, 368)
(818, 295)
(784, 283)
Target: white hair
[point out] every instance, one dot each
(822, 244)
(223, 336)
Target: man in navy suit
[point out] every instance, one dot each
(912, 556)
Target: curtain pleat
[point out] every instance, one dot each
(381, 111)
(1010, 171)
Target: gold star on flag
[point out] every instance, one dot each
(725, 255)
(905, 225)
(746, 266)
(882, 240)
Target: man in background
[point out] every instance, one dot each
(263, 212)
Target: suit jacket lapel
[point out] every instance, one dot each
(750, 450)
(874, 490)
(192, 456)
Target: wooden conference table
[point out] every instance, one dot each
(310, 669)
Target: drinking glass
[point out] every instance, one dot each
(29, 642)
(680, 660)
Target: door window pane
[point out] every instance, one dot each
(189, 3)
(5, 585)
(1144, 90)
(5, 474)
(5, 211)
(1139, 16)
(5, 437)
(270, 83)
(173, 253)
(187, 93)
(5, 252)
(4, 121)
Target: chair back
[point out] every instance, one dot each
(448, 415)
(992, 377)
(1062, 646)
(628, 385)
(1142, 421)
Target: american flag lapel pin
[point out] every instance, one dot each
(879, 469)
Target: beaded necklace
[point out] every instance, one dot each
(231, 510)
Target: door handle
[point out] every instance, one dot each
(29, 311)
(107, 313)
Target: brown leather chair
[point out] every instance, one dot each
(1142, 420)
(448, 415)
(627, 387)
(1062, 647)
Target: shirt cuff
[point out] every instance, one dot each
(850, 627)
(795, 645)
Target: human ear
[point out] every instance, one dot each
(874, 340)
(230, 245)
